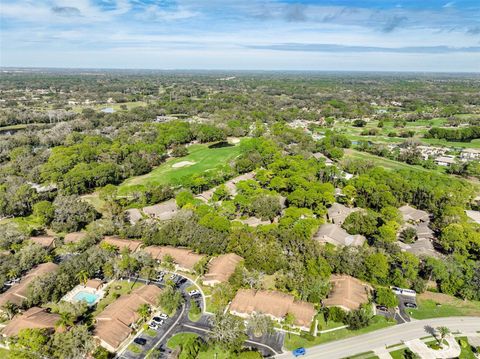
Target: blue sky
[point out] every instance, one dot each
(362, 35)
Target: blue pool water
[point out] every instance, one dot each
(88, 297)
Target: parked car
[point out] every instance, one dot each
(11, 282)
(157, 321)
(140, 341)
(194, 292)
(173, 277)
(382, 308)
(153, 325)
(410, 305)
(299, 351)
(163, 316)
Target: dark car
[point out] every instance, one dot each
(410, 305)
(382, 308)
(299, 351)
(140, 341)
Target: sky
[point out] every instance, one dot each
(330, 35)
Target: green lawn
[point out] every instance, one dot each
(134, 348)
(114, 291)
(203, 158)
(295, 341)
(433, 305)
(150, 332)
(383, 162)
(26, 224)
(4, 353)
(179, 338)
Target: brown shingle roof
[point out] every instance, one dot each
(74, 237)
(276, 304)
(18, 292)
(222, 267)
(94, 283)
(35, 317)
(347, 292)
(123, 243)
(336, 235)
(163, 211)
(44, 241)
(113, 323)
(183, 257)
(412, 214)
(337, 213)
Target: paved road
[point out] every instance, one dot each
(388, 336)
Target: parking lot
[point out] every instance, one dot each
(400, 313)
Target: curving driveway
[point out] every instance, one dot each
(388, 336)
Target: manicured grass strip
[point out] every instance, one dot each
(134, 348)
(293, 341)
(434, 305)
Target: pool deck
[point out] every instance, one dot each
(70, 296)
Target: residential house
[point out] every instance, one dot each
(133, 215)
(470, 154)
(253, 221)
(274, 304)
(183, 258)
(162, 211)
(221, 268)
(445, 160)
(44, 241)
(336, 235)
(122, 243)
(17, 293)
(319, 156)
(74, 237)
(33, 318)
(414, 215)
(231, 185)
(115, 323)
(473, 215)
(347, 292)
(337, 213)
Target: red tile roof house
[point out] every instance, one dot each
(115, 323)
(274, 304)
(221, 268)
(183, 258)
(17, 293)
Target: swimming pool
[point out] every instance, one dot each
(90, 298)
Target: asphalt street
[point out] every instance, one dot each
(388, 336)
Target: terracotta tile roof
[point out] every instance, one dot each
(94, 283)
(74, 237)
(183, 257)
(336, 235)
(272, 303)
(221, 268)
(44, 241)
(35, 317)
(122, 243)
(113, 323)
(347, 292)
(18, 292)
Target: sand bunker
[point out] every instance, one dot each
(182, 164)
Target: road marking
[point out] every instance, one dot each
(169, 329)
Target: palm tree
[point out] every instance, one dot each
(66, 320)
(9, 309)
(143, 311)
(444, 331)
(82, 277)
